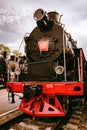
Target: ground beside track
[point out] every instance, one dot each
(5, 105)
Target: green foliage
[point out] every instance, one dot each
(17, 53)
(4, 51)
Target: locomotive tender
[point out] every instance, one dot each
(55, 68)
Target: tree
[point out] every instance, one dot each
(17, 53)
(4, 51)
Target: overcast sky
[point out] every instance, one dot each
(16, 18)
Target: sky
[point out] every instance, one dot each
(16, 19)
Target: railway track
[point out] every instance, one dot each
(73, 121)
(16, 120)
(7, 117)
(83, 122)
(25, 122)
(38, 124)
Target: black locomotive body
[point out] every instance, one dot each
(50, 47)
(55, 68)
(3, 72)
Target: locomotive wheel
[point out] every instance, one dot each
(66, 103)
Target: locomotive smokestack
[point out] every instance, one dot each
(41, 18)
(54, 16)
(39, 14)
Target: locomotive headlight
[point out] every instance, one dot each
(59, 69)
(43, 45)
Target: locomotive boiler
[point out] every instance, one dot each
(49, 47)
(55, 68)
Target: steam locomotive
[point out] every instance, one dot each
(55, 69)
(3, 72)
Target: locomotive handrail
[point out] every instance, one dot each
(64, 57)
